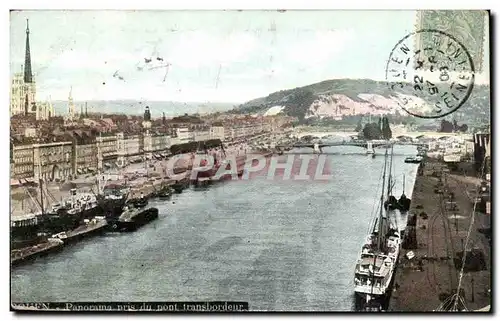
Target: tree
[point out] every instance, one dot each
(386, 129)
(299, 102)
(463, 128)
(372, 131)
(446, 127)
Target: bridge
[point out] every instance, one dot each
(396, 133)
(363, 144)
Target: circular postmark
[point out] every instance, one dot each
(430, 74)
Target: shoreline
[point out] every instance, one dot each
(435, 234)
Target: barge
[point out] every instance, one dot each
(90, 228)
(133, 218)
(414, 160)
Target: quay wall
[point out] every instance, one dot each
(436, 234)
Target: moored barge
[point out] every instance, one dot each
(90, 228)
(133, 218)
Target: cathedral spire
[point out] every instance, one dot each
(28, 76)
(71, 105)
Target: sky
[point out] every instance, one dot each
(206, 56)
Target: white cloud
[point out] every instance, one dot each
(198, 48)
(318, 49)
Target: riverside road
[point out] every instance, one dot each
(280, 245)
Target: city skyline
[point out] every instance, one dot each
(212, 56)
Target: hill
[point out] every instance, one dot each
(338, 98)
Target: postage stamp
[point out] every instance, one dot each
(441, 74)
(466, 26)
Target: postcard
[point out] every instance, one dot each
(250, 161)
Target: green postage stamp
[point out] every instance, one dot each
(469, 27)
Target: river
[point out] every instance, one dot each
(280, 245)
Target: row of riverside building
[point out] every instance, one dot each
(69, 153)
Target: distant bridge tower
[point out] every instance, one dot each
(369, 147)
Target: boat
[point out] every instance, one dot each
(413, 159)
(133, 218)
(112, 199)
(24, 229)
(91, 227)
(375, 267)
(80, 205)
(392, 202)
(164, 193)
(140, 202)
(404, 202)
(45, 221)
(179, 186)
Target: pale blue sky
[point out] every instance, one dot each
(251, 53)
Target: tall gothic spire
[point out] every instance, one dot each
(28, 77)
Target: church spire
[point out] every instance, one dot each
(71, 105)
(28, 76)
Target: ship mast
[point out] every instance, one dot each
(40, 183)
(389, 182)
(380, 219)
(99, 165)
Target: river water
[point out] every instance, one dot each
(280, 245)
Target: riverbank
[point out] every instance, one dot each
(22, 204)
(428, 280)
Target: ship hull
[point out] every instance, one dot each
(93, 231)
(91, 212)
(139, 203)
(180, 186)
(24, 232)
(53, 224)
(164, 197)
(139, 220)
(111, 208)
